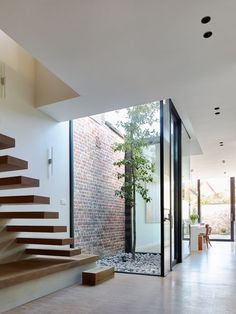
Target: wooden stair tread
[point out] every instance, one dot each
(99, 269)
(29, 215)
(6, 142)
(24, 199)
(21, 271)
(45, 241)
(97, 275)
(47, 229)
(53, 252)
(18, 182)
(9, 163)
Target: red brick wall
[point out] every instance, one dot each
(99, 215)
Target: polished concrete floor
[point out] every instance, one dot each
(204, 283)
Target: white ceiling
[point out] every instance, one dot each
(116, 54)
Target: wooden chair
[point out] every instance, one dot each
(206, 236)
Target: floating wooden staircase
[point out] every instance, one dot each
(9, 163)
(40, 273)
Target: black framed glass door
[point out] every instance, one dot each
(176, 188)
(175, 173)
(171, 227)
(165, 189)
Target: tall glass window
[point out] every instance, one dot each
(148, 214)
(186, 190)
(215, 207)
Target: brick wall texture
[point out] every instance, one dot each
(99, 215)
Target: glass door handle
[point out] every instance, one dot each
(232, 217)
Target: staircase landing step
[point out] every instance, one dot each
(45, 241)
(47, 229)
(18, 182)
(33, 268)
(29, 215)
(9, 163)
(24, 199)
(97, 275)
(53, 252)
(6, 142)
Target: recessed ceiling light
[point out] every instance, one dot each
(205, 19)
(207, 34)
(217, 108)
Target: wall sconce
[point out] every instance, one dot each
(2, 80)
(50, 162)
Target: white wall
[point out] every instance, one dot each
(35, 133)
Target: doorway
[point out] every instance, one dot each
(217, 207)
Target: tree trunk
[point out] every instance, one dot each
(134, 201)
(134, 222)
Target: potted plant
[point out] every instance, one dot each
(223, 230)
(194, 217)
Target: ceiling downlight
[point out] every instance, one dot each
(207, 34)
(205, 19)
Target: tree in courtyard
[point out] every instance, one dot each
(140, 129)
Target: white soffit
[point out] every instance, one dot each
(49, 89)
